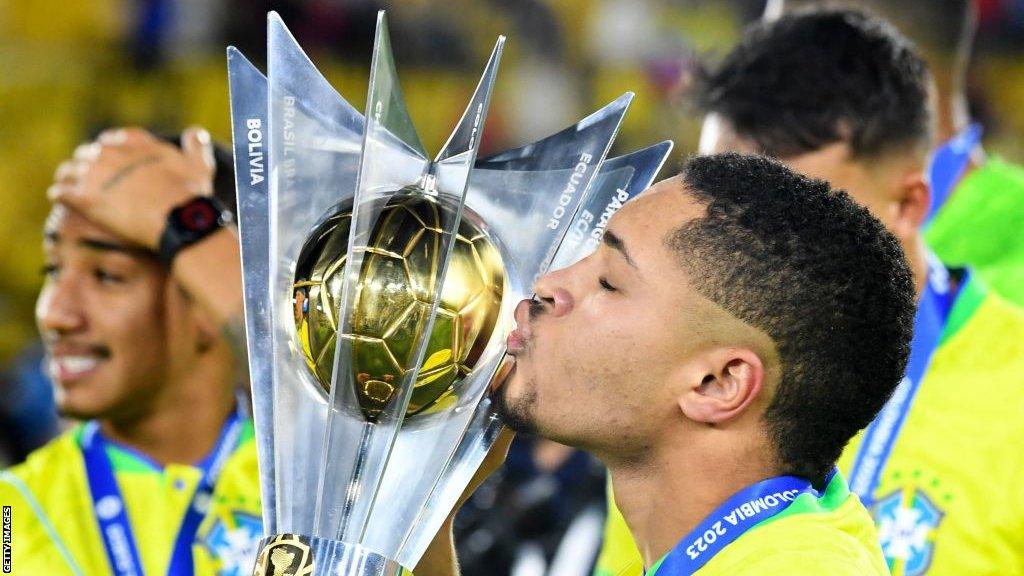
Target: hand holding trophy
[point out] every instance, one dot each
(379, 287)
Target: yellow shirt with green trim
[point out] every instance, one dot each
(981, 226)
(831, 534)
(949, 501)
(55, 532)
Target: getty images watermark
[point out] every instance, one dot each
(7, 539)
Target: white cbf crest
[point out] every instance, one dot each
(368, 489)
(907, 520)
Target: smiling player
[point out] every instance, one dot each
(161, 478)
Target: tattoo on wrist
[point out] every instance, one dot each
(127, 169)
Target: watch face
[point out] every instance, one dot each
(198, 215)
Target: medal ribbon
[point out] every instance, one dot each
(880, 435)
(948, 164)
(109, 507)
(741, 512)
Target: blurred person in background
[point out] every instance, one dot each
(977, 213)
(140, 314)
(843, 96)
(28, 415)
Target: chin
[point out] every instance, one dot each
(518, 411)
(77, 412)
(78, 405)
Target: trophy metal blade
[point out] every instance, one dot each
(543, 184)
(538, 187)
(296, 75)
(466, 136)
(384, 100)
(645, 162)
(447, 180)
(626, 175)
(248, 94)
(452, 170)
(611, 191)
(314, 142)
(369, 399)
(387, 284)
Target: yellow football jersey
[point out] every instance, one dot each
(54, 530)
(832, 534)
(948, 500)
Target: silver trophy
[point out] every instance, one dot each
(379, 287)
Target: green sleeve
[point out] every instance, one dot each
(982, 226)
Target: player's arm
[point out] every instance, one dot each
(440, 558)
(129, 181)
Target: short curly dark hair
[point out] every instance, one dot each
(822, 277)
(816, 77)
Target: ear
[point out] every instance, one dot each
(914, 200)
(729, 381)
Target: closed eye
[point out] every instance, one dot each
(605, 285)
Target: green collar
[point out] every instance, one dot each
(967, 303)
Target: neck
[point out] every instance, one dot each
(666, 497)
(916, 253)
(178, 429)
(951, 112)
(952, 116)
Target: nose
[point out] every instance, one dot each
(552, 290)
(58, 308)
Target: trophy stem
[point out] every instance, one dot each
(355, 484)
(295, 555)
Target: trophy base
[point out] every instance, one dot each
(296, 555)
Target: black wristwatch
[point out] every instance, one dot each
(189, 223)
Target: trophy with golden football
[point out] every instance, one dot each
(379, 286)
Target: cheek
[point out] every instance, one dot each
(591, 357)
(628, 354)
(135, 323)
(182, 326)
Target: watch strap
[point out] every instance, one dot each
(189, 223)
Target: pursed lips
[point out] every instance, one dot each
(518, 338)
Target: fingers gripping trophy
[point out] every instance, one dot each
(379, 287)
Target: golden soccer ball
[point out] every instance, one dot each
(393, 300)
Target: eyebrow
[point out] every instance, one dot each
(613, 241)
(102, 245)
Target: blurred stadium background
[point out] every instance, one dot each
(70, 69)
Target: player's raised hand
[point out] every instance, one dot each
(128, 180)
